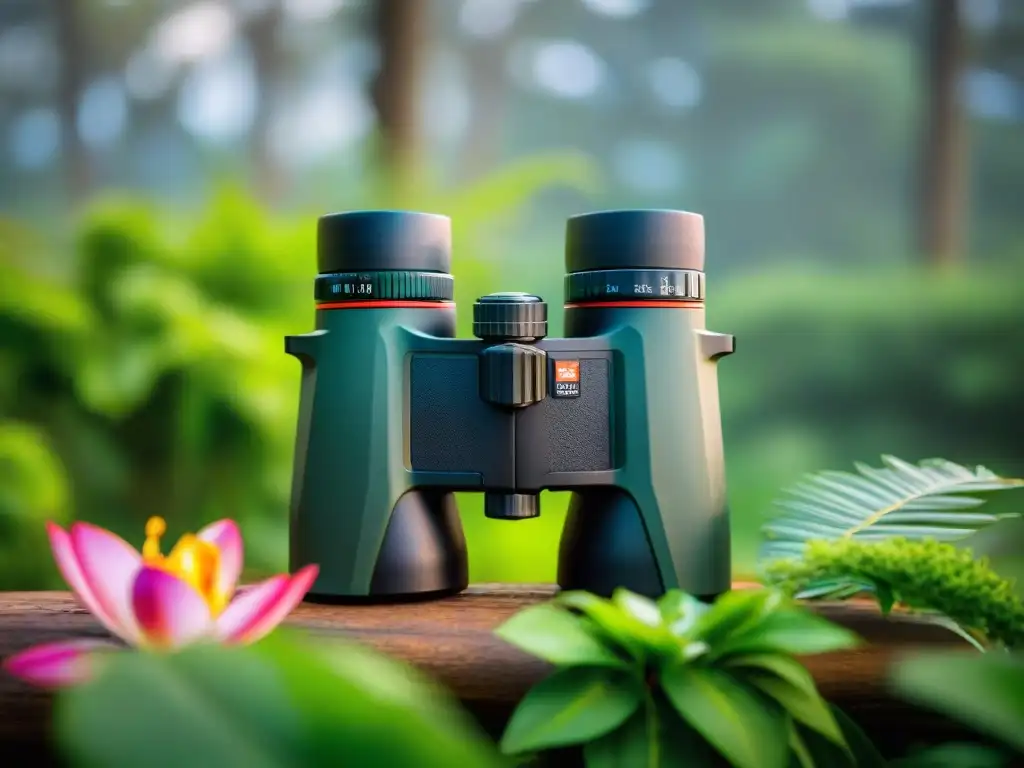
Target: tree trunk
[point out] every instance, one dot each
(400, 28)
(266, 53)
(944, 193)
(74, 57)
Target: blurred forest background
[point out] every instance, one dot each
(860, 165)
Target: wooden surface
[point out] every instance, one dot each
(452, 640)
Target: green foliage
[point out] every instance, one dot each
(930, 500)
(32, 482)
(149, 357)
(832, 365)
(984, 691)
(954, 755)
(639, 682)
(925, 575)
(283, 702)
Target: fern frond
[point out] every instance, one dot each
(926, 575)
(936, 499)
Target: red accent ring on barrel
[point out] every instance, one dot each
(387, 305)
(635, 304)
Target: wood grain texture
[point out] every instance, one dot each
(453, 641)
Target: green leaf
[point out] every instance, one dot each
(632, 635)
(984, 691)
(681, 611)
(557, 636)
(885, 597)
(639, 607)
(865, 755)
(278, 703)
(937, 499)
(735, 612)
(789, 683)
(794, 631)
(573, 705)
(835, 588)
(745, 729)
(859, 752)
(801, 754)
(654, 737)
(954, 755)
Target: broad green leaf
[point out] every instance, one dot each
(984, 691)
(794, 631)
(375, 709)
(898, 499)
(558, 636)
(573, 705)
(278, 703)
(635, 637)
(743, 727)
(807, 708)
(859, 752)
(735, 612)
(789, 683)
(801, 755)
(654, 737)
(681, 611)
(639, 607)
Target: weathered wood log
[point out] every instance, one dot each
(453, 641)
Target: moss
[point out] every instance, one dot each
(922, 575)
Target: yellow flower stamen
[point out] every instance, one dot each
(194, 561)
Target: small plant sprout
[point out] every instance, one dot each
(639, 682)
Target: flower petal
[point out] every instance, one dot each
(56, 665)
(67, 563)
(224, 535)
(108, 564)
(257, 610)
(169, 611)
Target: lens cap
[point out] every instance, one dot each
(372, 241)
(634, 239)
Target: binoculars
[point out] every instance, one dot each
(396, 414)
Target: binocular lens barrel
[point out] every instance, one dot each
(635, 258)
(634, 239)
(374, 241)
(624, 257)
(383, 256)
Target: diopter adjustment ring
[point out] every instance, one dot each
(383, 286)
(510, 317)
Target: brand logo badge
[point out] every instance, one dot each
(567, 370)
(567, 378)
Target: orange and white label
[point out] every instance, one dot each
(567, 370)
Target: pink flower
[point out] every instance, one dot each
(157, 602)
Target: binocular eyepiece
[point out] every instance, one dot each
(610, 256)
(397, 414)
